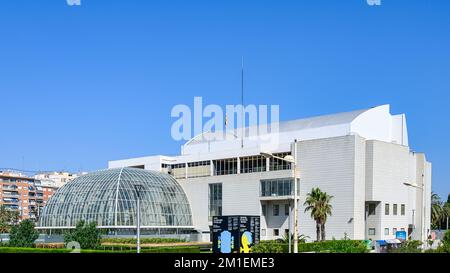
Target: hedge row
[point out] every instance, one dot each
(188, 249)
(143, 240)
(333, 246)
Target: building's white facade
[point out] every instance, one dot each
(362, 158)
(56, 179)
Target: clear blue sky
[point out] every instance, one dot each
(83, 85)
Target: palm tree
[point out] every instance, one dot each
(318, 203)
(437, 211)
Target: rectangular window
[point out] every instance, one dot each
(215, 200)
(386, 209)
(276, 210)
(199, 169)
(372, 209)
(394, 231)
(278, 164)
(371, 231)
(263, 208)
(395, 209)
(225, 166)
(277, 187)
(386, 231)
(253, 164)
(402, 209)
(263, 232)
(276, 232)
(286, 209)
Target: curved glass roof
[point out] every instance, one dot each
(109, 198)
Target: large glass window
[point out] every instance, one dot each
(199, 169)
(277, 187)
(215, 200)
(225, 166)
(252, 164)
(372, 208)
(278, 164)
(276, 210)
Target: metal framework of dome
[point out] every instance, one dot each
(109, 198)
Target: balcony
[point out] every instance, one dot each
(10, 188)
(10, 194)
(10, 200)
(277, 189)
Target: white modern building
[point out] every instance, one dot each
(362, 158)
(56, 179)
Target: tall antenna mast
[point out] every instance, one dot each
(242, 102)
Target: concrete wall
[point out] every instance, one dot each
(336, 166)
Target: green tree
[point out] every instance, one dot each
(86, 234)
(437, 212)
(23, 235)
(7, 219)
(319, 204)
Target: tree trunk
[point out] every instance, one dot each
(318, 231)
(323, 231)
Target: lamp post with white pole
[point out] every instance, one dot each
(293, 162)
(422, 188)
(138, 188)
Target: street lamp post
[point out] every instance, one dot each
(293, 162)
(422, 188)
(138, 188)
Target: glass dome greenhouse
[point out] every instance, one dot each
(109, 198)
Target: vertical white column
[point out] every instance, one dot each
(238, 165)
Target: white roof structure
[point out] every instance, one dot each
(373, 124)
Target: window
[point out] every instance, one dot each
(225, 166)
(263, 208)
(199, 169)
(395, 209)
(286, 233)
(394, 231)
(386, 231)
(178, 170)
(253, 164)
(276, 210)
(402, 229)
(372, 208)
(371, 231)
(276, 232)
(286, 209)
(386, 209)
(402, 209)
(215, 200)
(278, 164)
(277, 187)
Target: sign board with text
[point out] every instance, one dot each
(235, 234)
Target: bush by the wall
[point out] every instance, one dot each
(23, 235)
(270, 247)
(407, 247)
(333, 246)
(143, 240)
(87, 235)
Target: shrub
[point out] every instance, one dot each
(87, 235)
(446, 238)
(23, 235)
(269, 247)
(143, 240)
(407, 247)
